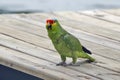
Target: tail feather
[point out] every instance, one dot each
(86, 50)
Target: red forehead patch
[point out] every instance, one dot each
(50, 21)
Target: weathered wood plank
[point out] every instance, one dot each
(90, 24)
(23, 36)
(26, 27)
(99, 49)
(113, 11)
(77, 17)
(76, 31)
(103, 15)
(23, 49)
(28, 36)
(52, 58)
(105, 33)
(24, 45)
(43, 68)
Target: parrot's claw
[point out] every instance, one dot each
(89, 61)
(61, 64)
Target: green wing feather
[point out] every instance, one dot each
(72, 42)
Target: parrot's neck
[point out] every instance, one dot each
(55, 35)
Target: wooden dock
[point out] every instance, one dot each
(25, 46)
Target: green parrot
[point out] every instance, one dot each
(66, 44)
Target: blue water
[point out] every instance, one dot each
(18, 6)
(7, 73)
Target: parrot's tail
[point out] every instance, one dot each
(91, 59)
(84, 55)
(86, 50)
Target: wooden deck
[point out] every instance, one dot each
(25, 46)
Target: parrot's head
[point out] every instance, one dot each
(52, 24)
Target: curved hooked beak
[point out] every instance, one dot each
(49, 26)
(49, 23)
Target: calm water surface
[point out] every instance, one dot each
(9, 6)
(11, 74)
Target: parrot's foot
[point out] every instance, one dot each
(73, 64)
(61, 64)
(89, 61)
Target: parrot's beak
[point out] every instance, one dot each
(49, 27)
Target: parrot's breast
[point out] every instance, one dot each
(65, 43)
(62, 48)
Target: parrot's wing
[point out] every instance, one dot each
(72, 43)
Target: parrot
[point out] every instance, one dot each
(66, 44)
